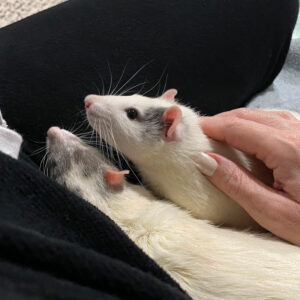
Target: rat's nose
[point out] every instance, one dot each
(89, 100)
(53, 131)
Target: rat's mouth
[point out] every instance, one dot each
(99, 121)
(92, 113)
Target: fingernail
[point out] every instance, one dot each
(206, 164)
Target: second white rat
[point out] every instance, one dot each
(207, 262)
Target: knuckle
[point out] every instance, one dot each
(232, 123)
(288, 146)
(283, 151)
(286, 115)
(241, 112)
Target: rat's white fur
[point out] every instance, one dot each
(208, 262)
(169, 168)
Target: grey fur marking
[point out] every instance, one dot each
(82, 163)
(57, 169)
(153, 121)
(62, 160)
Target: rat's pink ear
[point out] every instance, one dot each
(114, 177)
(171, 117)
(169, 94)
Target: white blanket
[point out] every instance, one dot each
(10, 141)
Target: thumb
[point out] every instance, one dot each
(259, 200)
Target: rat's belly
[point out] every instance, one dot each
(196, 194)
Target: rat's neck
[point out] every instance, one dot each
(126, 206)
(180, 159)
(174, 155)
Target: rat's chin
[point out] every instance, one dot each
(90, 114)
(99, 123)
(91, 119)
(94, 118)
(51, 146)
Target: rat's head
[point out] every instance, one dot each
(80, 167)
(137, 125)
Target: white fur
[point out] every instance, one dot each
(169, 168)
(208, 262)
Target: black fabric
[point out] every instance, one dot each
(55, 245)
(217, 53)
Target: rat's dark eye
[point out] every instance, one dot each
(132, 113)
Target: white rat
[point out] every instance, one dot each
(163, 138)
(207, 262)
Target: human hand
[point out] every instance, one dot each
(274, 138)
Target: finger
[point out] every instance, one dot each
(245, 112)
(247, 136)
(284, 114)
(273, 210)
(275, 119)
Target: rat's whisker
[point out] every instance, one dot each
(86, 122)
(105, 139)
(117, 150)
(95, 85)
(143, 83)
(121, 154)
(113, 91)
(81, 112)
(100, 138)
(37, 142)
(131, 170)
(102, 81)
(112, 139)
(111, 78)
(38, 151)
(142, 87)
(46, 169)
(134, 75)
(165, 85)
(84, 134)
(158, 82)
(42, 162)
(93, 131)
(97, 137)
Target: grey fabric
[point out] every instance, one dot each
(284, 93)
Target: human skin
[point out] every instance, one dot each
(274, 138)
